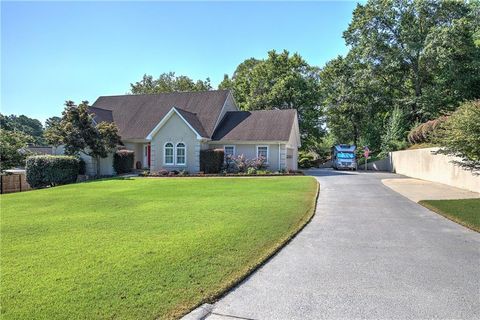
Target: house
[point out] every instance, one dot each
(168, 130)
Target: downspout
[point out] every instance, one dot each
(279, 158)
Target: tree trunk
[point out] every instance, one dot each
(355, 133)
(97, 164)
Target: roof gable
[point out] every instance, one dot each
(137, 115)
(189, 118)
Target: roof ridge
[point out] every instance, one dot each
(264, 110)
(163, 93)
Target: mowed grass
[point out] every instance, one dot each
(464, 211)
(142, 248)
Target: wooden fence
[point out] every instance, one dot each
(13, 183)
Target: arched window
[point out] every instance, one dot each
(181, 154)
(168, 153)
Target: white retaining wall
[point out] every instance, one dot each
(424, 164)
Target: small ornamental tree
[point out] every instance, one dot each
(460, 136)
(81, 134)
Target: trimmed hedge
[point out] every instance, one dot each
(43, 171)
(123, 161)
(211, 160)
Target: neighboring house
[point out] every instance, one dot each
(167, 131)
(41, 150)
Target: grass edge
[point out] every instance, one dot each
(447, 215)
(262, 260)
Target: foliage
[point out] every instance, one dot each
(53, 131)
(13, 148)
(240, 163)
(421, 51)
(251, 170)
(416, 56)
(394, 137)
(305, 160)
(281, 81)
(29, 126)
(45, 170)
(82, 166)
(211, 160)
(81, 134)
(168, 82)
(86, 241)
(460, 135)
(349, 100)
(123, 161)
(425, 132)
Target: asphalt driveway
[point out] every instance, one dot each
(368, 253)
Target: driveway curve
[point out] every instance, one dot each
(368, 253)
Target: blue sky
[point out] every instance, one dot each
(57, 51)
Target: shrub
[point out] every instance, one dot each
(163, 172)
(305, 160)
(460, 135)
(230, 165)
(251, 170)
(425, 132)
(242, 164)
(211, 160)
(43, 171)
(123, 161)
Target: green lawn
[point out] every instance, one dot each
(464, 211)
(141, 248)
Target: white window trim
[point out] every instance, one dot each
(165, 154)
(228, 146)
(268, 151)
(185, 155)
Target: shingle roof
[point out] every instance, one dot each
(137, 115)
(101, 114)
(264, 125)
(194, 122)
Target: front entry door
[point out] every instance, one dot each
(146, 155)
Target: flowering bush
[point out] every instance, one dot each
(243, 165)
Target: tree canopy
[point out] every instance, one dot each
(29, 126)
(79, 133)
(416, 57)
(281, 81)
(168, 82)
(13, 148)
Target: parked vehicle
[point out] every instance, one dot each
(343, 157)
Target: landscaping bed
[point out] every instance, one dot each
(141, 248)
(265, 173)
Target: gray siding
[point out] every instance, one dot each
(276, 161)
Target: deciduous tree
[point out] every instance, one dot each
(81, 134)
(168, 82)
(281, 81)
